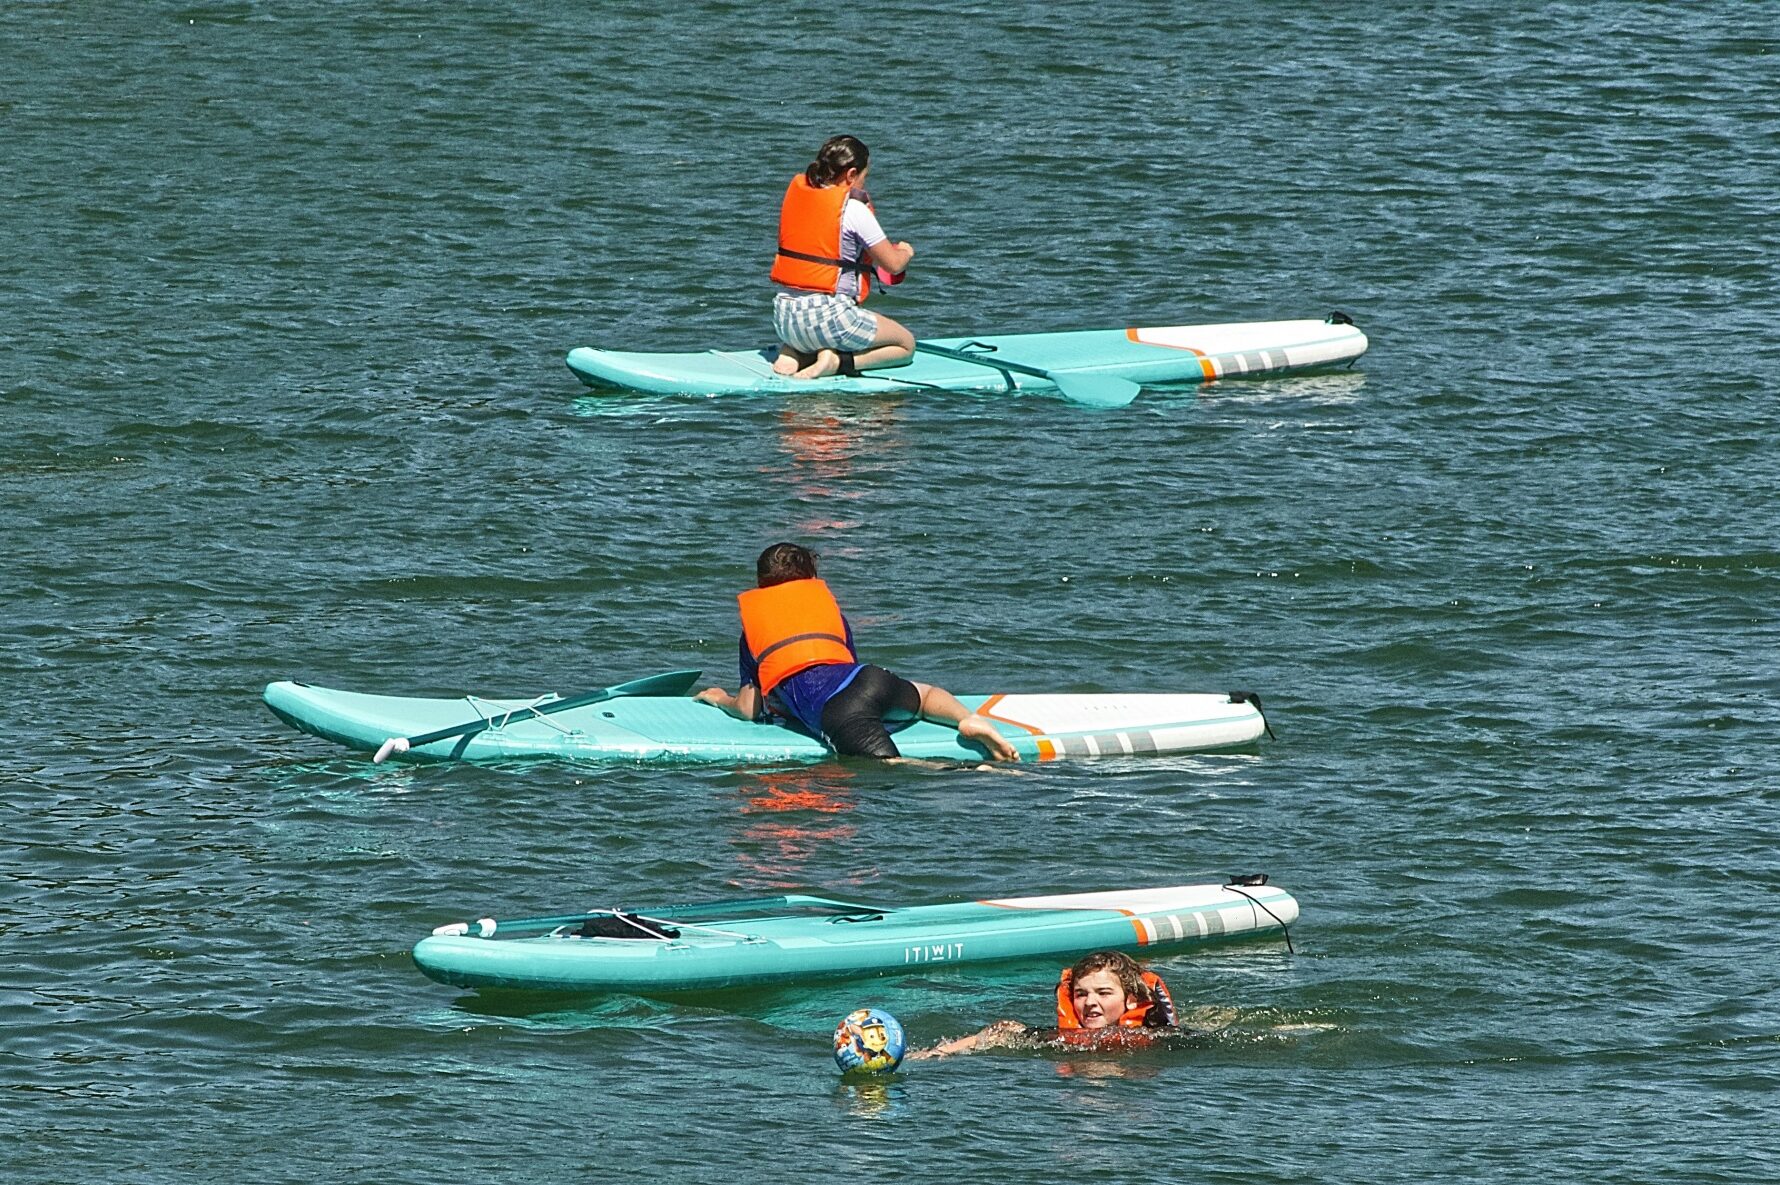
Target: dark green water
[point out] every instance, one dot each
(284, 292)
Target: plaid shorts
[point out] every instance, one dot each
(811, 321)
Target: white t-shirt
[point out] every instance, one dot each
(859, 229)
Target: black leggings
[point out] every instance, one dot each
(853, 721)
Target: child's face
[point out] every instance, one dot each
(1099, 999)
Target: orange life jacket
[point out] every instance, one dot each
(810, 240)
(792, 626)
(1156, 1013)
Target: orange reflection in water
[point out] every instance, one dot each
(777, 847)
(799, 790)
(827, 440)
(1106, 1068)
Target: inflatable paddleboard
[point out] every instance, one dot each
(1166, 354)
(788, 939)
(679, 728)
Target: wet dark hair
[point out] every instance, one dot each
(784, 562)
(836, 156)
(1122, 965)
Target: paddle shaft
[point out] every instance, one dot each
(984, 360)
(486, 927)
(1093, 390)
(672, 683)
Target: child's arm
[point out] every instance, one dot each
(892, 257)
(743, 705)
(1001, 1033)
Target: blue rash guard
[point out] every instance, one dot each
(806, 693)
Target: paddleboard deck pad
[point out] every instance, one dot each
(797, 938)
(680, 728)
(1165, 354)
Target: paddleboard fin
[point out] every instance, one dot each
(1249, 697)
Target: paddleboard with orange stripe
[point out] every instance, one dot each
(1162, 354)
(1048, 727)
(796, 938)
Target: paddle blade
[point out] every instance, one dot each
(1096, 390)
(671, 684)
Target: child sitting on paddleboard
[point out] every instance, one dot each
(798, 662)
(829, 245)
(1105, 1001)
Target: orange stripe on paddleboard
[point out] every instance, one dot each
(1047, 751)
(995, 699)
(1136, 920)
(1206, 366)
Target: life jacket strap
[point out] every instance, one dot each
(846, 265)
(784, 642)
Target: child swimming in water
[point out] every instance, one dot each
(1105, 1001)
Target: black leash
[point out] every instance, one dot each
(1249, 697)
(1235, 883)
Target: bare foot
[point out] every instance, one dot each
(976, 728)
(788, 361)
(827, 362)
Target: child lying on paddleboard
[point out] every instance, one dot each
(1105, 1001)
(797, 663)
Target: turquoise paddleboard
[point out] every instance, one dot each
(1167, 354)
(787, 939)
(679, 728)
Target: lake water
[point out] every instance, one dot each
(285, 294)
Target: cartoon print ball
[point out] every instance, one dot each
(868, 1040)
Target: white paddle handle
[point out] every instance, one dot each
(392, 745)
(481, 927)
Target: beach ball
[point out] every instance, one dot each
(869, 1040)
